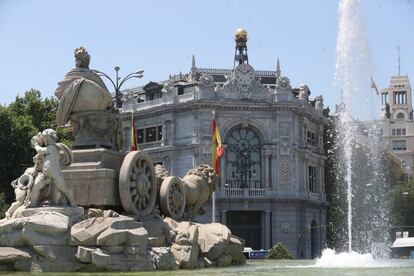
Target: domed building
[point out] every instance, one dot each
(271, 185)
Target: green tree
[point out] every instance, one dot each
(3, 206)
(402, 204)
(19, 121)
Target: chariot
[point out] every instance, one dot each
(140, 189)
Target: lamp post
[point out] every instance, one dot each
(227, 186)
(119, 82)
(309, 228)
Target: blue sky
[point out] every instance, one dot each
(38, 39)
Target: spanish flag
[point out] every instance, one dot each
(217, 147)
(134, 144)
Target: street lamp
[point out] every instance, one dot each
(227, 186)
(308, 229)
(119, 82)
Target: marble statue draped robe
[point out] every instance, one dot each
(81, 90)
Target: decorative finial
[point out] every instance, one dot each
(193, 71)
(241, 35)
(278, 72)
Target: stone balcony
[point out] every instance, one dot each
(261, 193)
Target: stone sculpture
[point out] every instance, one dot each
(184, 197)
(47, 147)
(86, 103)
(199, 184)
(23, 184)
(319, 102)
(81, 90)
(46, 231)
(31, 187)
(67, 238)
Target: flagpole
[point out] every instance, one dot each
(213, 196)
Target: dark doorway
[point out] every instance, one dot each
(247, 225)
(314, 240)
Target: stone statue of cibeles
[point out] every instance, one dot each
(86, 103)
(81, 90)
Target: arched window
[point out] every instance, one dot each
(400, 116)
(243, 158)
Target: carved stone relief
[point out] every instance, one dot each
(284, 129)
(206, 128)
(285, 163)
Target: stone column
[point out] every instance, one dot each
(263, 169)
(267, 169)
(163, 131)
(127, 137)
(322, 173)
(223, 216)
(305, 175)
(274, 167)
(173, 134)
(268, 229)
(167, 133)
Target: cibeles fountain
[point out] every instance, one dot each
(94, 208)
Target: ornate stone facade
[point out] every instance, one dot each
(271, 185)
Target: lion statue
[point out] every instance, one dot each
(199, 183)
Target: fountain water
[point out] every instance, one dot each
(360, 156)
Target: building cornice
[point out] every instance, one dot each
(228, 105)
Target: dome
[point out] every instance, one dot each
(241, 34)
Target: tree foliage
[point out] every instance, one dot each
(371, 178)
(19, 121)
(279, 251)
(3, 206)
(402, 204)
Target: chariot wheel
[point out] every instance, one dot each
(137, 185)
(172, 197)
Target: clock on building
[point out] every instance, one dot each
(244, 74)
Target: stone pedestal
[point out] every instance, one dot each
(94, 175)
(95, 129)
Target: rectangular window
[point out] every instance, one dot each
(312, 179)
(149, 134)
(399, 145)
(399, 132)
(149, 96)
(180, 90)
(140, 136)
(311, 138)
